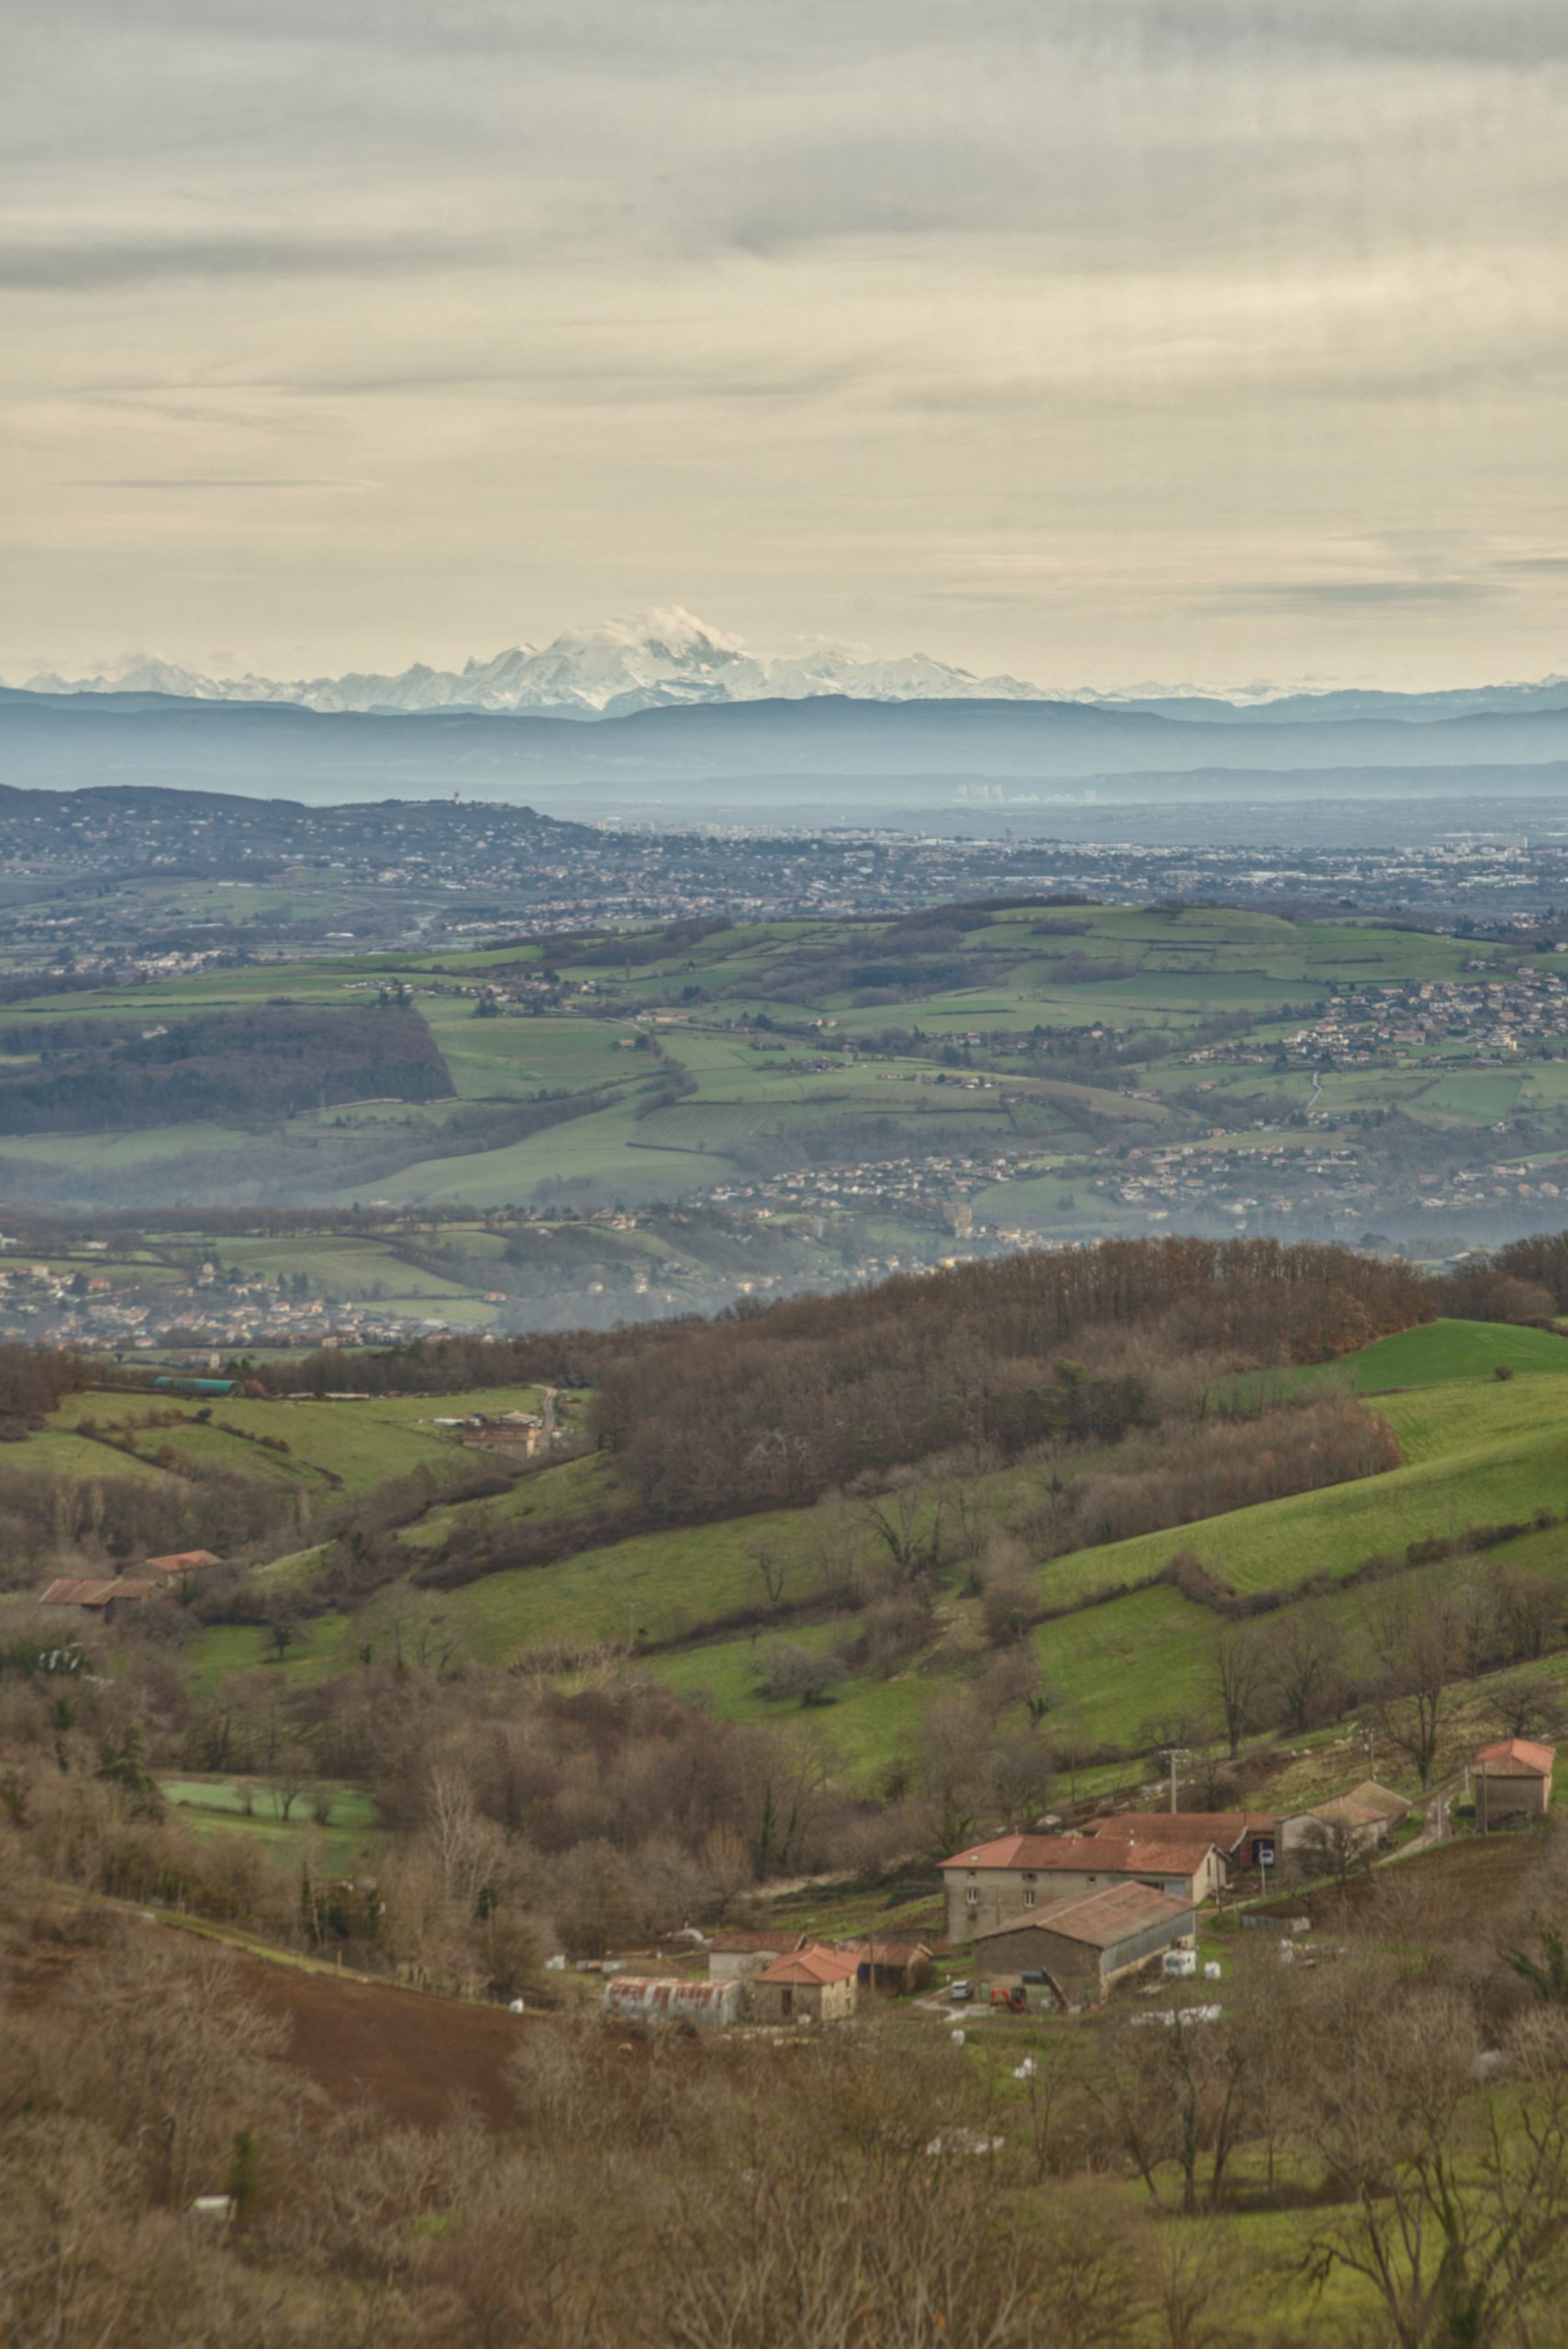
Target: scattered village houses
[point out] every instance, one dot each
(1513, 1783)
(1082, 1947)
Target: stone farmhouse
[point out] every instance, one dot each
(810, 1985)
(1176, 1853)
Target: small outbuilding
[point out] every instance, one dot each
(809, 1985)
(896, 1965)
(180, 1564)
(104, 1601)
(636, 1997)
(1513, 1782)
(736, 1958)
(1082, 1947)
(1361, 1819)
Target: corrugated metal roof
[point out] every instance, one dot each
(90, 1590)
(1100, 1918)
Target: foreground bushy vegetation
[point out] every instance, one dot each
(1372, 2150)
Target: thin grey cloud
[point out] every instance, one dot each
(102, 264)
(720, 34)
(1337, 594)
(201, 481)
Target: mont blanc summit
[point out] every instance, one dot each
(662, 657)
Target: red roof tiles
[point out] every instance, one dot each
(1110, 1847)
(813, 1966)
(1516, 1757)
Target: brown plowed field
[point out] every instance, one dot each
(411, 2055)
(1466, 1889)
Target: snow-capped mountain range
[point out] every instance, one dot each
(667, 658)
(662, 658)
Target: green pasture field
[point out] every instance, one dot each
(354, 1445)
(350, 1806)
(654, 1586)
(511, 1059)
(1145, 969)
(320, 1649)
(55, 1451)
(867, 1721)
(573, 1489)
(1476, 1449)
(342, 1264)
(106, 1153)
(604, 1146)
(1473, 1454)
(1473, 1097)
(1441, 1351)
(211, 1808)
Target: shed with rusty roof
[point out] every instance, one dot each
(104, 1601)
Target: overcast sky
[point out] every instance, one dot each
(1099, 341)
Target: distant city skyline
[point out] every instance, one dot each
(1213, 342)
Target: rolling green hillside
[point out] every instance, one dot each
(650, 1066)
(691, 1606)
(1440, 1352)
